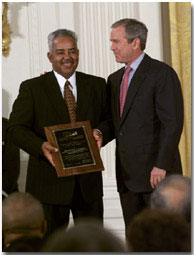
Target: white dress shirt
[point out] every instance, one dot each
(134, 67)
(61, 81)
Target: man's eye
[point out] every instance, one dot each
(72, 51)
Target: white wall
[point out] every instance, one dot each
(32, 22)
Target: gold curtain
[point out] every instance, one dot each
(180, 36)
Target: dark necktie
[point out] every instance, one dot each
(124, 88)
(70, 101)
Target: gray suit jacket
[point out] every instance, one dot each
(149, 131)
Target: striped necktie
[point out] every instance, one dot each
(70, 101)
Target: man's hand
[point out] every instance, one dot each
(43, 73)
(156, 176)
(98, 137)
(47, 150)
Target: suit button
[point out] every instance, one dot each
(120, 133)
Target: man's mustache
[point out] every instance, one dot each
(67, 62)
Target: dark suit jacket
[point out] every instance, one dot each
(39, 104)
(149, 131)
(10, 162)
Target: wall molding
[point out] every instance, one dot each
(34, 34)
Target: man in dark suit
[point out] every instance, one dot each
(147, 118)
(10, 162)
(40, 103)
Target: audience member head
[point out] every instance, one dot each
(157, 230)
(25, 244)
(173, 193)
(22, 215)
(85, 236)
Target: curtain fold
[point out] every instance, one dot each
(180, 36)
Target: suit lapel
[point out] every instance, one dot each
(118, 80)
(84, 97)
(53, 92)
(135, 85)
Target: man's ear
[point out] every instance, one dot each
(136, 43)
(49, 56)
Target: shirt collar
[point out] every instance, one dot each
(137, 62)
(61, 80)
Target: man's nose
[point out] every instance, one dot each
(112, 47)
(66, 55)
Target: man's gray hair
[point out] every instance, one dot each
(21, 211)
(133, 29)
(174, 194)
(60, 32)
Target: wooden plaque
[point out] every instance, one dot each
(77, 149)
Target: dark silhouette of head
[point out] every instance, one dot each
(173, 194)
(22, 215)
(86, 236)
(157, 230)
(25, 244)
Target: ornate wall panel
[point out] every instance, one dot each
(34, 34)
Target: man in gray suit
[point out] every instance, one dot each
(147, 118)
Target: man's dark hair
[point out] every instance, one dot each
(133, 29)
(173, 193)
(86, 236)
(157, 230)
(58, 33)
